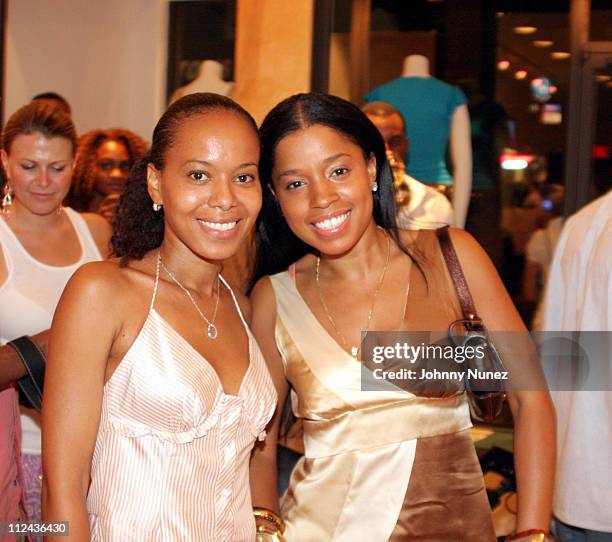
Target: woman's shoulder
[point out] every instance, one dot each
(463, 242)
(104, 276)
(95, 288)
(96, 223)
(262, 291)
(110, 279)
(263, 304)
(475, 263)
(467, 248)
(100, 229)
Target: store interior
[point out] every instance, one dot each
(537, 77)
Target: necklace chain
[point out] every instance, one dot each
(354, 350)
(211, 330)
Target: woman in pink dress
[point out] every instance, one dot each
(156, 390)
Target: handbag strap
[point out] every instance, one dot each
(456, 273)
(31, 385)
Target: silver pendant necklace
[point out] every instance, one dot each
(211, 330)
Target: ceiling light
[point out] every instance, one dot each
(520, 74)
(543, 43)
(602, 78)
(503, 65)
(525, 29)
(560, 55)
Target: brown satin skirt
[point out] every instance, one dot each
(446, 499)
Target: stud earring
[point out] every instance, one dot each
(157, 207)
(375, 186)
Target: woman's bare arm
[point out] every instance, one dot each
(84, 327)
(533, 411)
(264, 481)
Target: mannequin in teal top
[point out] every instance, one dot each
(436, 115)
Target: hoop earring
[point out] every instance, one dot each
(157, 207)
(7, 200)
(375, 187)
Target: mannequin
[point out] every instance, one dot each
(209, 79)
(431, 125)
(416, 66)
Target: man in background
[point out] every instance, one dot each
(579, 298)
(418, 205)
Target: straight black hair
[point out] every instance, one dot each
(277, 246)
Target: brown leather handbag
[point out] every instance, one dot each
(485, 395)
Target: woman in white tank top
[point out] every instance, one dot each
(41, 245)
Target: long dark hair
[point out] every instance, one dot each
(83, 178)
(276, 245)
(138, 228)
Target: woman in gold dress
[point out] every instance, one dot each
(331, 264)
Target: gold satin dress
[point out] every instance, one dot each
(378, 465)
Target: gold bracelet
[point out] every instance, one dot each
(270, 516)
(537, 535)
(265, 533)
(269, 537)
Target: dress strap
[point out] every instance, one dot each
(291, 271)
(7, 244)
(8, 238)
(225, 283)
(156, 280)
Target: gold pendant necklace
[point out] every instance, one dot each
(352, 350)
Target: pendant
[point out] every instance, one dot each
(211, 331)
(354, 350)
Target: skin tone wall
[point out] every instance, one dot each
(266, 71)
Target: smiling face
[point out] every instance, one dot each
(209, 185)
(39, 170)
(323, 183)
(111, 167)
